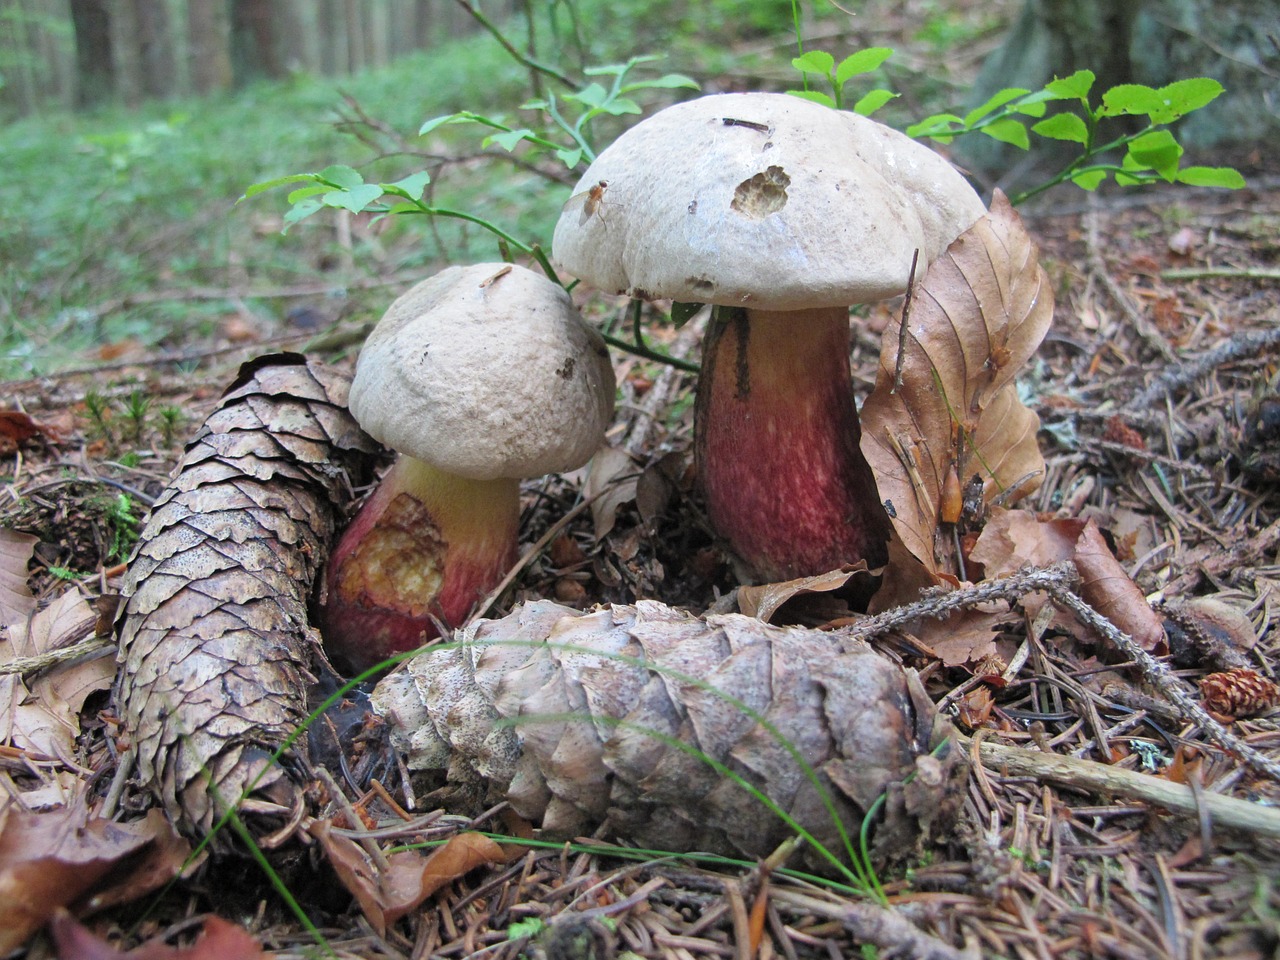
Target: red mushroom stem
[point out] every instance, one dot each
(425, 547)
(776, 441)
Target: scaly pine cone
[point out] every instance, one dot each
(577, 720)
(1238, 693)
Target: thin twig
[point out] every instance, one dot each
(902, 327)
(1162, 679)
(1243, 344)
(507, 45)
(1211, 273)
(1099, 778)
(92, 648)
(872, 924)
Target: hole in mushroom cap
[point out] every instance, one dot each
(763, 194)
(701, 284)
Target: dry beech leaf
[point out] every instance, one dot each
(16, 601)
(386, 894)
(64, 856)
(219, 940)
(976, 318)
(1015, 538)
(964, 637)
(1109, 590)
(763, 601)
(606, 484)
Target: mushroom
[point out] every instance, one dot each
(782, 213)
(477, 377)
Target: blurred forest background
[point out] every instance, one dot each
(129, 128)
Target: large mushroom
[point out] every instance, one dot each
(477, 377)
(783, 213)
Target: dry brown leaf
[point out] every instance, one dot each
(68, 619)
(1109, 590)
(54, 859)
(219, 940)
(965, 637)
(977, 317)
(1013, 539)
(16, 600)
(611, 481)
(763, 601)
(387, 893)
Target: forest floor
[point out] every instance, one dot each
(1157, 393)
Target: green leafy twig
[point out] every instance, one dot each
(819, 63)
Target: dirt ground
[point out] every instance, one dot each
(1157, 391)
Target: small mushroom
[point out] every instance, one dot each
(477, 377)
(783, 213)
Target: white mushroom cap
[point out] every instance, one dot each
(485, 371)
(762, 200)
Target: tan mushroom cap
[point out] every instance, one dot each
(485, 371)
(762, 200)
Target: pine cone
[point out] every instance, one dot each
(215, 647)
(587, 722)
(1239, 693)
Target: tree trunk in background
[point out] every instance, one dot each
(424, 23)
(1153, 42)
(155, 48)
(295, 28)
(95, 68)
(355, 38)
(209, 45)
(253, 41)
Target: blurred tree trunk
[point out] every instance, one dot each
(1153, 42)
(355, 35)
(155, 47)
(253, 41)
(209, 45)
(95, 66)
(424, 23)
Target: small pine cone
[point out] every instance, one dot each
(1239, 693)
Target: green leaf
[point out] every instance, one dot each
(1008, 130)
(570, 158)
(938, 124)
(413, 185)
(257, 188)
(1063, 126)
(341, 176)
(593, 95)
(434, 122)
(1228, 177)
(815, 96)
(997, 100)
(1089, 179)
(864, 61)
(815, 61)
(1130, 98)
(682, 313)
(507, 139)
(620, 105)
(872, 101)
(1157, 150)
(670, 81)
(303, 192)
(1074, 87)
(354, 199)
(1183, 96)
(300, 211)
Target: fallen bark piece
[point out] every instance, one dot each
(215, 646)
(635, 719)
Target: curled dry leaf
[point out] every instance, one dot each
(388, 891)
(1013, 539)
(214, 639)
(979, 314)
(16, 600)
(67, 857)
(597, 722)
(219, 940)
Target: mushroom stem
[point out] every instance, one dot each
(424, 548)
(776, 440)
